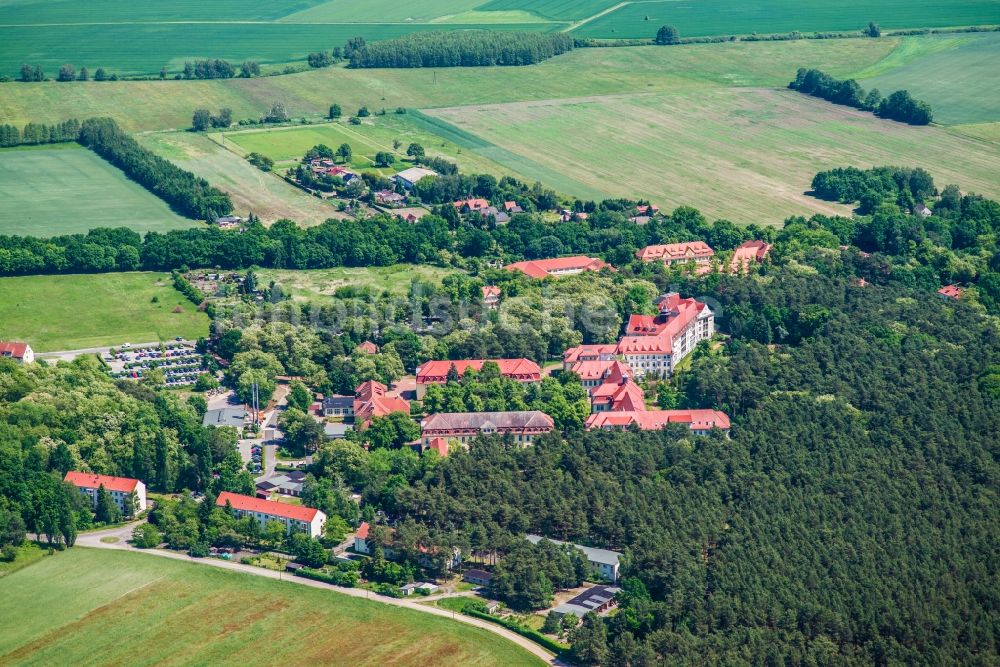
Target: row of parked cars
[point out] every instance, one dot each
(180, 363)
(256, 459)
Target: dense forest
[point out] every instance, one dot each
(465, 48)
(898, 106)
(186, 193)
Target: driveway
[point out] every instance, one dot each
(93, 540)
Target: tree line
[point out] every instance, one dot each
(186, 193)
(898, 106)
(39, 133)
(466, 48)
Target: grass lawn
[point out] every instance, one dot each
(107, 607)
(744, 154)
(27, 553)
(67, 312)
(266, 194)
(67, 189)
(736, 17)
(319, 283)
(958, 75)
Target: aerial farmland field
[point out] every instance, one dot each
(95, 606)
(66, 189)
(735, 17)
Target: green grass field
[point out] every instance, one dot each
(88, 606)
(959, 76)
(267, 195)
(744, 154)
(736, 17)
(66, 189)
(314, 284)
(71, 312)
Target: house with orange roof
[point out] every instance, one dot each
(119, 488)
(19, 352)
(559, 266)
(748, 253)
(293, 517)
(373, 399)
(491, 296)
(436, 372)
(471, 205)
(367, 347)
(701, 422)
(951, 292)
(677, 253)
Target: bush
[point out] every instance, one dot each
(146, 536)
(514, 626)
(346, 578)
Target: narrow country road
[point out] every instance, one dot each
(123, 533)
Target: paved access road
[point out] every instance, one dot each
(123, 533)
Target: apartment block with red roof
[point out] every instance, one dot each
(436, 372)
(701, 422)
(656, 344)
(560, 266)
(19, 352)
(294, 517)
(674, 253)
(119, 488)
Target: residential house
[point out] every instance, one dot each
(389, 198)
(678, 253)
(464, 427)
(512, 207)
(436, 372)
(604, 562)
(229, 221)
(566, 215)
(594, 600)
(656, 344)
(477, 205)
(748, 253)
(951, 292)
(367, 347)
(19, 352)
(922, 210)
(119, 488)
(701, 422)
(478, 577)
(647, 209)
(338, 406)
(491, 296)
(235, 417)
(365, 544)
(560, 266)
(294, 517)
(410, 177)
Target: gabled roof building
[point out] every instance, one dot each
(560, 266)
(119, 488)
(436, 372)
(463, 427)
(701, 422)
(294, 517)
(19, 352)
(671, 253)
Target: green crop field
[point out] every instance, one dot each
(736, 17)
(70, 312)
(744, 154)
(557, 10)
(267, 195)
(959, 76)
(65, 189)
(89, 606)
(381, 11)
(318, 283)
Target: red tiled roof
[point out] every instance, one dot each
(520, 369)
(362, 531)
(654, 420)
(620, 396)
(372, 399)
(675, 251)
(600, 369)
(368, 347)
(747, 252)
(510, 205)
(89, 480)
(645, 333)
(951, 291)
(539, 268)
(12, 349)
(251, 504)
(589, 352)
(473, 204)
(490, 290)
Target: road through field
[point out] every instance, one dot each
(96, 539)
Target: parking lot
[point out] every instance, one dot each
(180, 363)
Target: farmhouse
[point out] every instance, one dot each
(701, 422)
(561, 266)
(597, 600)
(436, 372)
(522, 426)
(294, 517)
(655, 345)
(410, 177)
(951, 292)
(673, 253)
(19, 352)
(119, 488)
(604, 562)
(746, 254)
(491, 296)
(512, 207)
